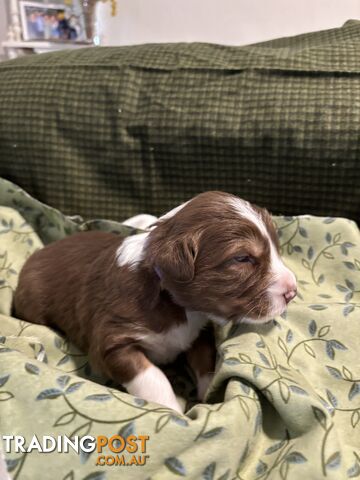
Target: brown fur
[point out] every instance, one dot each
(75, 284)
(204, 237)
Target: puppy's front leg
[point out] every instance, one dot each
(127, 364)
(201, 357)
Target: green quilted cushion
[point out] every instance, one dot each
(112, 131)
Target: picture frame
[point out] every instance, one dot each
(51, 23)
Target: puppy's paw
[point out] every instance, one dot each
(203, 383)
(152, 385)
(176, 405)
(182, 404)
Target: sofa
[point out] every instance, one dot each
(92, 136)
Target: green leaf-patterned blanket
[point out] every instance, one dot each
(284, 403)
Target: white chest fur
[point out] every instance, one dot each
(165, 347)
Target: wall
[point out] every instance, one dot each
(220, 21)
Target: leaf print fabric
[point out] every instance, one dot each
(285, 400)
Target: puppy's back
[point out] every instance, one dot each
(51, 279)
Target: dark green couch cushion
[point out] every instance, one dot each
(109, 132)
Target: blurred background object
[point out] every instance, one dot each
(230, 22)
(35, 27)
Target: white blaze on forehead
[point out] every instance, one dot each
(132, 250)
(245, 210)
(278, 269)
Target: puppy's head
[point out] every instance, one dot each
(219, 254)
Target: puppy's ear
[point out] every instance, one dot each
(175, 260)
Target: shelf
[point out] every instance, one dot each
(19, 48)
(44, 45)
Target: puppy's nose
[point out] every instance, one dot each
(289, 295)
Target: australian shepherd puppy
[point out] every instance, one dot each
(134, 303)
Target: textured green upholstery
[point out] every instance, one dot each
(110, 132)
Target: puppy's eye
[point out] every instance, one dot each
(244, 259)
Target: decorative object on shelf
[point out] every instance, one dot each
(51, 22)
(113, 6)
(89, 7)
(21, 40)
(14, 30)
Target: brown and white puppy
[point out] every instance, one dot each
(136, 302)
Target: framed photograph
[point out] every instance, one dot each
(52, 23)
